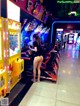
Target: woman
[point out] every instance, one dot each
(38, 58)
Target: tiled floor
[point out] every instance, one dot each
(66, 92)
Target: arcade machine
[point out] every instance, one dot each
(48, 73)
(71, 38)
(59, 36)
(14, 63)
(3, 72)
(59, 33)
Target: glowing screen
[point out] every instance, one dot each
(71, 38)
(14, 49)
(32, 28)
(59, 33)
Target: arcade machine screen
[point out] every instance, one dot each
(59, 33)
(0, 47)
(44, 33)
(14, 48)
(71, 38)
(32, 28)
(27, 32)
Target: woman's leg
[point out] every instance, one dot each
(35, 64)
(39, 65)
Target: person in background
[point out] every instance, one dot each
(64, 41)
(38, 56)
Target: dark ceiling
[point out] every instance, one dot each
(62, 9)
(51, 6)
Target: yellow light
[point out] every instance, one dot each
(5, 87)
(5, 67)
(41, 1)
(64, 91)
(64, 71)
(4, 36)
(4, 53)
(69, 72)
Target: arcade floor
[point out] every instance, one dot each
(66, 92)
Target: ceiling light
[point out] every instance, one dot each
(73, 12)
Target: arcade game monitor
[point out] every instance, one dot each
(30, 29)
(27, 30)
(14, 49)
(71, 37)
(59, 33)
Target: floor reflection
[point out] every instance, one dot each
(72, 51)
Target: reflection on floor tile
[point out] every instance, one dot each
(43, 89)
(61, 103)
(69, 78)
(71, 97)
(34, 100)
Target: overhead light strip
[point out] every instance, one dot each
(68, 1)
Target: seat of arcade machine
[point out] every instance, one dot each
(47, 67)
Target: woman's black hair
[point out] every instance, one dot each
(35, 36)
(38, 40)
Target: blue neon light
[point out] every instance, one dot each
(52, 29)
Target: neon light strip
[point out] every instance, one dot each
(77, 1)
(52, 29)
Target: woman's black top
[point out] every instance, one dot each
(39, 49)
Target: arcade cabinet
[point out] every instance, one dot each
(3, 72)
(50, 65)
(14, 63)
(71, 37)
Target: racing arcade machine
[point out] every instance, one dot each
(50, 63)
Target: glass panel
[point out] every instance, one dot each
(14, 44)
